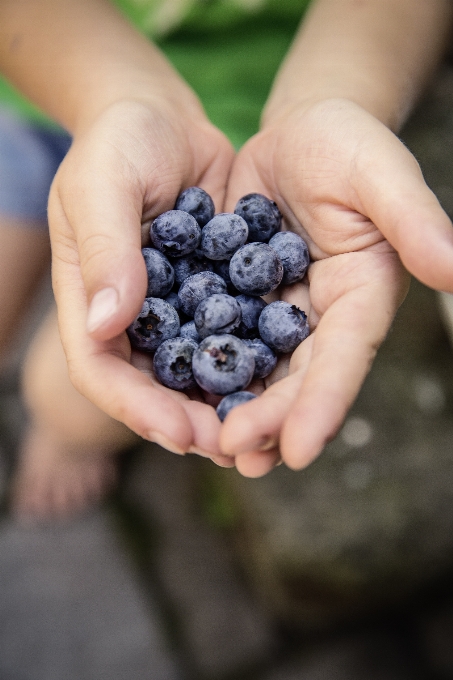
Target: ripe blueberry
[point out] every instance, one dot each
(161, 276)
(190, 264)
(172, 363)
(175, 233)
(156, 322)
(283, 326)
(188, 330)
(265, 358)
(232, 400)
(198, 287)
(197, 203)
(255, 269)
(251, 308)
(261, 214)
(217, 314)
(223, 235)
(223, 364)
(293, 253)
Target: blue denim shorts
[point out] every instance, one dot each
(29, 158)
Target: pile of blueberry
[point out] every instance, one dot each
(203, 316)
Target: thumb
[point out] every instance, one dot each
(396, 198)
(96, 227)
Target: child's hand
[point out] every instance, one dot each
(351, 188)
(120, 173)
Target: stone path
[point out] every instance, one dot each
(71, 607)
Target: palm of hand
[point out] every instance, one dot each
(316, 165)
(126, 170)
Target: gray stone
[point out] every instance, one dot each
(436, 634)
(3, 474)
(71, 607)
(222, 627)
(372, 519)
(365, 657)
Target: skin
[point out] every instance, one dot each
(326, 154)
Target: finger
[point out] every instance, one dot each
(223, 461)
(101, 371)
(203, 418)
(128, 395)
(394, 195)
(256, 464)
(96, 226)
(255, 426)
(245, 178)
(205, 427)
(344, 345)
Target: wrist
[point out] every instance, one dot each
(171, 99)
(377, 54)
(276, 111)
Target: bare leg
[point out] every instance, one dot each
(67, 456)
(24, 258)
(65, 462)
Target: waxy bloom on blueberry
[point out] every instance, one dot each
(217, 314)
(283, 326)
(189, 330)
(251, 308)
(293, 253)
(161, 276)
(223, 235)
(223, 364)
(265, 358)
(172, 363)
(232, 400)
(190, 264)
(175, 233)
(198, 287)
(261, 214)
(198, 203)
(156, 322)
(255, 269)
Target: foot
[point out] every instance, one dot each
(51, 483)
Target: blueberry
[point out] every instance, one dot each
(175, 233)
(188, 330)
(223, 364)
(232, 400)
(157, 322)
(197, 203)
(198, 287)
(255, 269)
(265, 358)
(217, 314)
(261, 214)
(293, 253)
(251, 308)
(190, 264)
(172, 363)
(283, 326)
(223, 235)
(161, 276)
(173, 300)
(222, 268)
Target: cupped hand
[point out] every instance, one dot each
(347, 185)
(120, 173)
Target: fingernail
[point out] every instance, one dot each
(103, 305)
(160, 439)
(199, 452)
(266, 444)
(222, 463)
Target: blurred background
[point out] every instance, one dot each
(343, 571)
